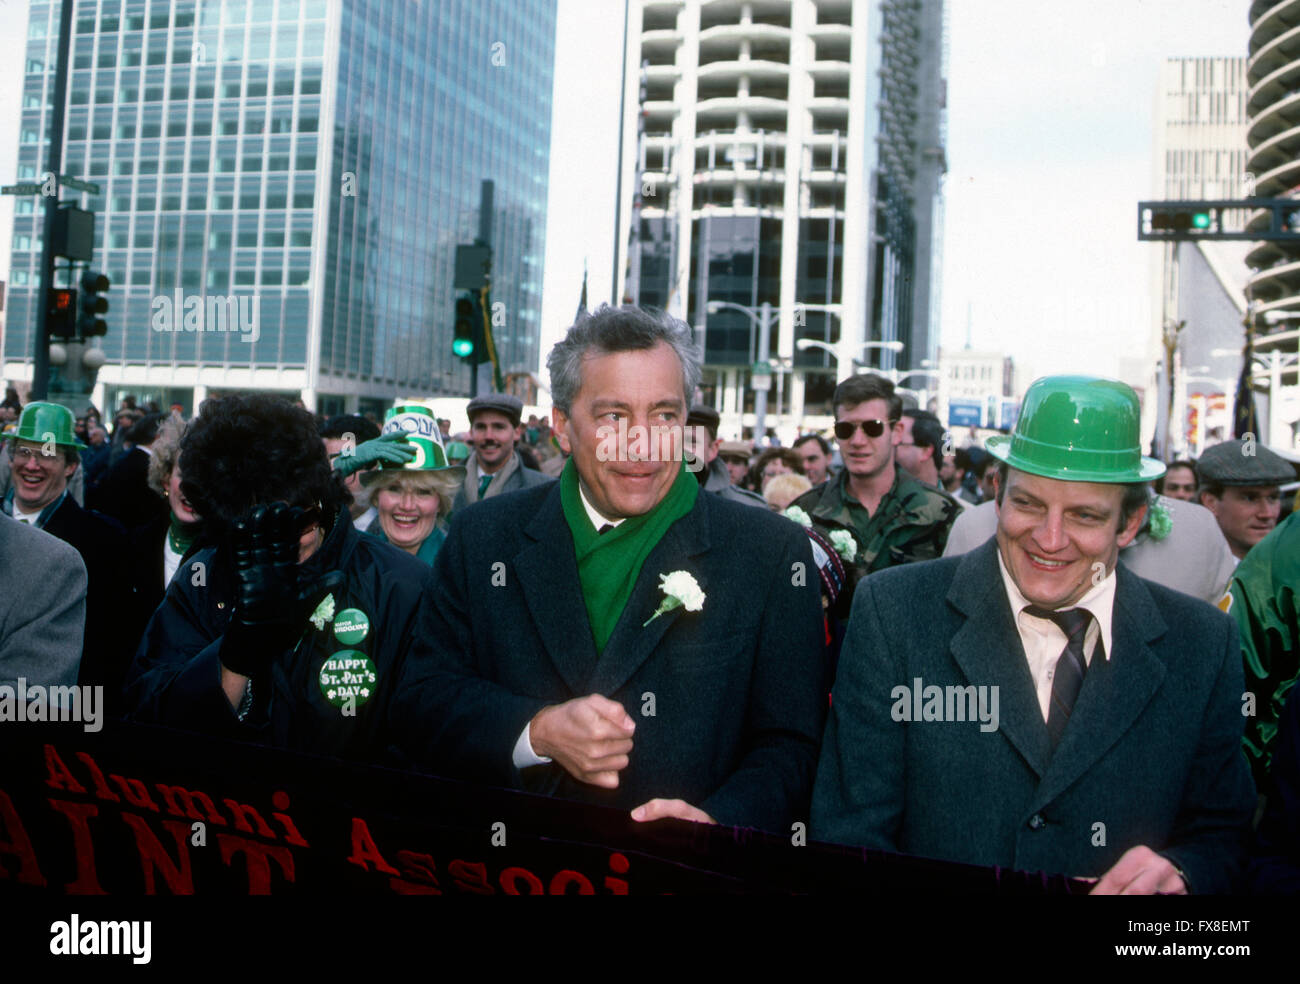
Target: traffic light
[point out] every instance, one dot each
(63, 312)
(462, 342)
(1181, 219)
(93, 305)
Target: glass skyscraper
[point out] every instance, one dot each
(307, 165)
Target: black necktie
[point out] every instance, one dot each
(606, 528)
(1070, 666)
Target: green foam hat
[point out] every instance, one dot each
(421, 428)
(1078, 429)
(42, 422)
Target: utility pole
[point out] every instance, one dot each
(760, 395)
(486, 194)
(618, 175)
(54, 164)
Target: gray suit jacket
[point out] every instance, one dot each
(42, 606)
(1151, 755)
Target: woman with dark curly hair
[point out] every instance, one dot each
(293, 629)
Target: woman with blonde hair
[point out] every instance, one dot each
(157, 549)
(413, 499)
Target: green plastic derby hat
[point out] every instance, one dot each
(42, 422)
(1078, 429)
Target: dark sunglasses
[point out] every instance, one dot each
(844, 429)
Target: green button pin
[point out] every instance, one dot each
(348, 675)
(351, 626)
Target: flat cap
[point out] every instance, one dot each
(1239, 462)
(703, 416)
(503, 403)
(736, 449)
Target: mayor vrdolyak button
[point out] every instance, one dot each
(351, 626)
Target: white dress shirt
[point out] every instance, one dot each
(524, 755)
(1044, 640)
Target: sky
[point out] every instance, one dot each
(1050, 140)
(1050, 114)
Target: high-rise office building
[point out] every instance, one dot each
(1200, 153)
(305, 169)
(788, 153)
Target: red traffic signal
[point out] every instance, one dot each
(63, 312)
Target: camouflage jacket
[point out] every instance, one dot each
(911, 523)
(1266, 605)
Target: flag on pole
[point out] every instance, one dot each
(1244, 418)
(489, 342)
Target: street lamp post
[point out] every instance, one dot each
(762, 320)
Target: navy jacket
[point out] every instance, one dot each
(110, 638)
(176, 677)
(736, 690)
(1152, 752)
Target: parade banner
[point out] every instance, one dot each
(136, 811)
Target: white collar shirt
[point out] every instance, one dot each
(1044, 641)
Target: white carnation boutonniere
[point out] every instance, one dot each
(324, 612)
(844, 544)
(682, 591)
(798, 515)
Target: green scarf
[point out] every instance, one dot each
(610, 563)
(181, 535)
(428, 549)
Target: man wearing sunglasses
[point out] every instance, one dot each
(891, 517)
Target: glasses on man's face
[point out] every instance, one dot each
(23, 455)
(845, 429)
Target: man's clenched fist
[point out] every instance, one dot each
(590, 736)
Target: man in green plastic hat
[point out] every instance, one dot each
(45, 453)
(1031, 704)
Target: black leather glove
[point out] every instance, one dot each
(273, 599)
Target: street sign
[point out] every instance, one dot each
(762, 368)
(965, 413)
(26, 188)
(78, 185)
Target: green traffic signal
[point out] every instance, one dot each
(462, 343)
(1201, 220)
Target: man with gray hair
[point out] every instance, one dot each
(618, 637)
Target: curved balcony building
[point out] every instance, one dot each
(1273, 106)
(788, 152)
